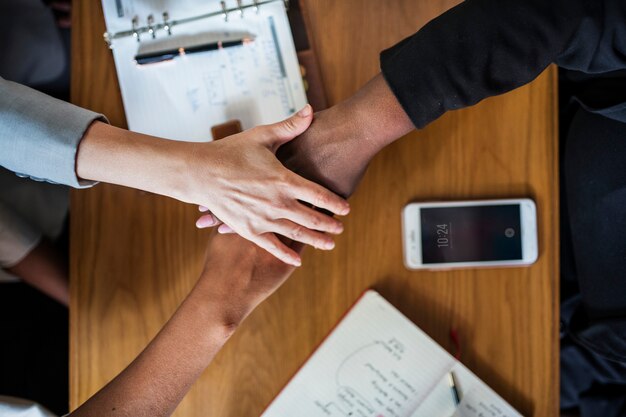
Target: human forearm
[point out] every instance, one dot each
(117, 156)
(237, 277)
(157, 380)
(371, 119)
(155, 383)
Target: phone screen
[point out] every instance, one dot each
(471, 234)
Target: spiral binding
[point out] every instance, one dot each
(166, 25)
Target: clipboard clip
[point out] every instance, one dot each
(240, 8)
(151, 26)
(135, 29)
(166, 23)
(224, 11)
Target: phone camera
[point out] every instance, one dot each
(510, 232)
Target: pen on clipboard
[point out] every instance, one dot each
(281, 64)
(454, 389)
(170, 54)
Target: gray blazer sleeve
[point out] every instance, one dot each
(39, 135)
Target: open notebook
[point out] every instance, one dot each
(377, 363)
(257, 83)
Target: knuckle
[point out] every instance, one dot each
(315, 221)
(288, 125)
(297, 232)
(280, 205)
(321, 199)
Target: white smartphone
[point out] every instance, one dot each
(470, 234)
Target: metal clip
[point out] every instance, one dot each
(166, 23)
(224, 11)
(135, 25)
(107, 39)
(151, 26)
(240, 7)
(256, 6)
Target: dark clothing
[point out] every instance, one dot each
(595, 186)
(483, 48)
(593, 332)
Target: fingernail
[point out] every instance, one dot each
(328, 245)
(224, 229)
(203, 209)
(295, 262)
(306, 111)
(205, 222)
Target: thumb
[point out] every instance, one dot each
(282, 132)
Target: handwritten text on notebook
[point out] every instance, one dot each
(376, 363)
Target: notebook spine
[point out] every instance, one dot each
(151, 28)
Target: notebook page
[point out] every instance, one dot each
(376, 363)
(479, 402)
(257, 83)
(477, 399)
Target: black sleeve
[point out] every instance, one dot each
(482, 48)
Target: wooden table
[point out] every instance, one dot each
(134, 256)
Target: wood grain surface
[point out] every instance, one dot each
(134, 256)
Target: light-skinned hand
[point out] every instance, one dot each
(238, 179)
(257, 197)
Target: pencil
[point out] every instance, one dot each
(454, 389)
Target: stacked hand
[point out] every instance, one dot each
(334, 152)
(239, 182)
(251, 193)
